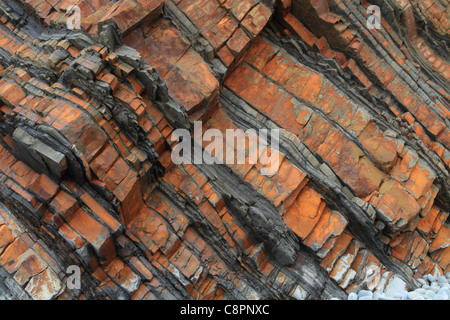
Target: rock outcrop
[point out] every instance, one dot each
(86, 124)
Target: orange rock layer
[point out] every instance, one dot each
(87, 179)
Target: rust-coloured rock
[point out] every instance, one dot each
(88, 117)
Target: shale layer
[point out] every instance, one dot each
(86, 173)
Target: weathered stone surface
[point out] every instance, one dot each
(361, 196)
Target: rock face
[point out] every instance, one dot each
(87, 179)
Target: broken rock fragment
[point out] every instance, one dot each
(358, 206)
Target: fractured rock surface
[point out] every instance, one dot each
(86, 124)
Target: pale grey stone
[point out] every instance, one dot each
(387, 298)
(365, 293)
(420, 291)
(444, 291)
(422, 282)
(441, 296)
(377, 295)
(430, 293)
(352, 296)
(396, 285)
(412, 295)
(435, 289)
(402, 294)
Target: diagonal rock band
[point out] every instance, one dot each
(224, 150)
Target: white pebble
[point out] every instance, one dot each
(403, 295)
(387, 298)
(378, 295)
(365, 298)
(431, 278)
(441, 296)
(435, 289)
(422, 282)
(352, 296)
(365, 293)
(430, 293)
(444, 291)
(442, 279)
(412, 295)
(420, 291)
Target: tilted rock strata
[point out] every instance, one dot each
(86, 171)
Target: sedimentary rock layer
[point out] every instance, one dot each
(86, 171)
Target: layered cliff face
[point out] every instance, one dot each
(86, 170)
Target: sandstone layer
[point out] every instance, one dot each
(87, 179)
